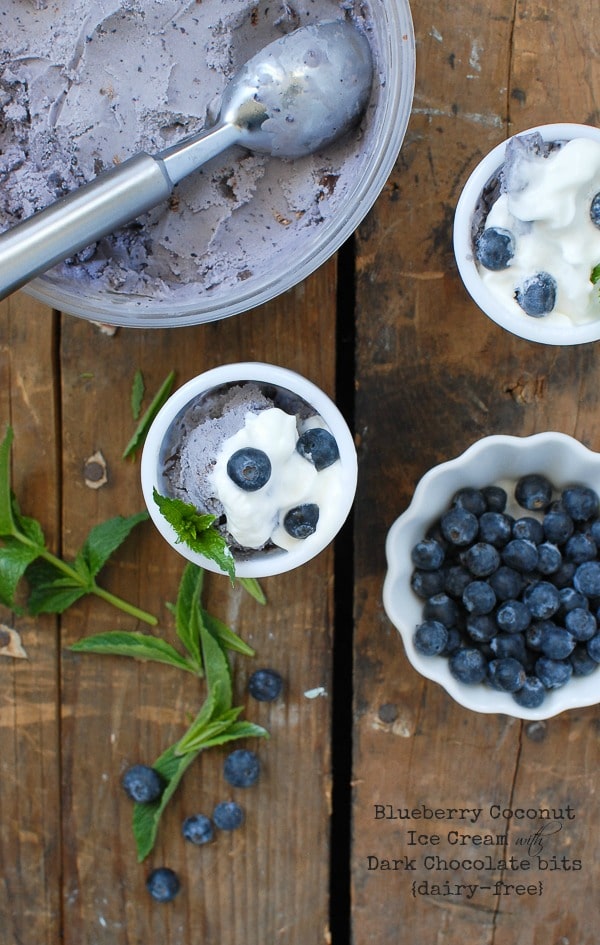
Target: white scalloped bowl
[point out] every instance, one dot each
(510, 317)
(490, 460)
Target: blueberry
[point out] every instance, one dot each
(556, 642)
(558, 525)
(595, 210)
(473, 500)
(495, 498)
(319, 447)
(549, 558)
(430, 638)
(580, 547)
(163, 884)
(534, 634)
(593, 647)
(581, 623)
(481, 627)
(265, 685)
(198, 829)
(587, 578)
(441, 607)
(531, 694)
(456, 579)
(582, 662)
(454, 641)
(427, 583)
(459, 526)
(143, 784)
(563, 577)
(301, 521)
(428, 554)
(468, 665)
(249, 468)
(520, 554)
(228, 815)
(505, 645)
(580, 502)
(569, 600)
(481, 559)
(533, 492)
(241, 768)
(506, 583)
(542, 599)
(495, 247)
(553, 673)
(513, 616)
(529, 529)
(506, 674)
(495, 528)
(479, 598)
(537, 294)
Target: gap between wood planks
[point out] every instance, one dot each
(341, 716)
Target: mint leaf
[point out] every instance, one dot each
(226, 636)
(6, 517)
(138, 389)
(196, 531)
(104, 539)
(216, 669)
(15, 558)
(187, 611)
(200, 735)
(143, 426)
(595, 276)
(253, 588)
(51, 591)
(139, 646)
(146, 817)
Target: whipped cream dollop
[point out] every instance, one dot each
(541, 239)
(255, 518)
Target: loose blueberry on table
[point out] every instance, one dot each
(163, 884)
(513, 601)
(143, 784)
(265, 685)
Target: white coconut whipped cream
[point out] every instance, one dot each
(255, 518)
(545, 205)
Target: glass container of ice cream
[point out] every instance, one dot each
(87, 86)
(262, 449)
(527, 234)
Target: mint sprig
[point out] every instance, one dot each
(54, 584)
(197, 531)
(206, 641)
(595, 276)
(143, 426)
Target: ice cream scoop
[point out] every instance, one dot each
(299, 93)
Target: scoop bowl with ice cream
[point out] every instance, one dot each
(527, 234)
(82, 97)
(264, 451)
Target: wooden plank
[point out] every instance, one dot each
(269, 881)
(434, 375)
(30, 840)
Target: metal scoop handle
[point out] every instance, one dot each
(112, 199)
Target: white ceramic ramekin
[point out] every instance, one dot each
(518, 323)
(273, 562)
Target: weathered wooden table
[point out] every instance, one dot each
(388, 329)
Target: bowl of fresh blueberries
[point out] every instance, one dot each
(527, 234)
(493, 578)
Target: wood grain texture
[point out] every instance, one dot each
(72, 724)
(434, 375)
(30, 824)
